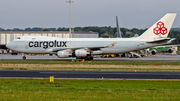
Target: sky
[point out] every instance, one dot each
(139, 14)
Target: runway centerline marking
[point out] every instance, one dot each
(108, 73)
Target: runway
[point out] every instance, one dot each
(90, 74)
(46, 57)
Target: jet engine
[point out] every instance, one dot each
(63, 54)
(153, 52)
(170, 50)
(81, 53)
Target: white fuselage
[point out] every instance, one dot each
(45, 45)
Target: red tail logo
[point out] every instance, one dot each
(160, 29)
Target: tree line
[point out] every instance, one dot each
(105, 32)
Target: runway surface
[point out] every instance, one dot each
(148, 58)
(90, 74)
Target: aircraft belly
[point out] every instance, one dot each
(97, 52)
(110, 50)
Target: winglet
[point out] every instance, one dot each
(112, 45)
(118, 29)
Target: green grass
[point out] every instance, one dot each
(90, 62)
(88, 90)
(134, 64)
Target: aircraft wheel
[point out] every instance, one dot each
(90, 58)
(78, 58)
(24, 58)
(130, 56)
(86, 58)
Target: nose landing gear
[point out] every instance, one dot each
(23, 56)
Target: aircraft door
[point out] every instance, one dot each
(27, 46)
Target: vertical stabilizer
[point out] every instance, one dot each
(161, 28)
(118, 29)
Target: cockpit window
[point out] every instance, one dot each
(18, 38)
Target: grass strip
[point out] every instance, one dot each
(90, 65)
(155, 63)
(88, 90)
(99, 67)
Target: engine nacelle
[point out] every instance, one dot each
(81, 53)
(153, 52)
(63, 54)
(170, 50)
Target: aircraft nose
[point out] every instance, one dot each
(10, 45)
(7, 45)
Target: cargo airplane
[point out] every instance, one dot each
(84, 48)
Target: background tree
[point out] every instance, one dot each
(104, 31)
(45, 29)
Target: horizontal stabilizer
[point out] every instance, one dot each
(160, 41)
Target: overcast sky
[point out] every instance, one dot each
(55, 13)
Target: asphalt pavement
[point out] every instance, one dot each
(46, 57)
(90, 74)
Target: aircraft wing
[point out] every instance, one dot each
(85, 48)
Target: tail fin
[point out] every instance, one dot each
(161, 28)
(118, 29)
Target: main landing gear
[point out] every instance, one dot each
(86, 58)
(23, 56)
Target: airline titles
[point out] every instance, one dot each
(46, 44)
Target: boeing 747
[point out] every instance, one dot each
(84, 48)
